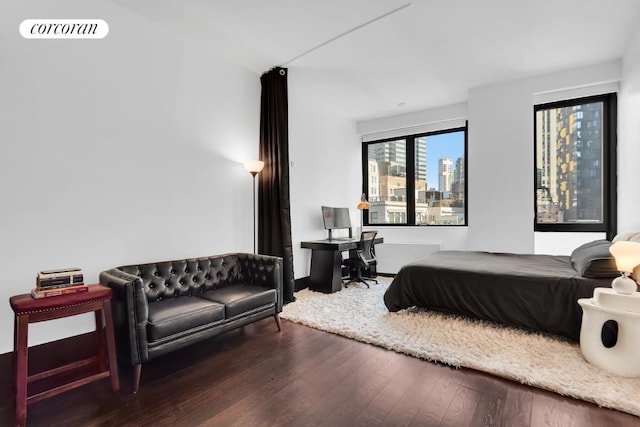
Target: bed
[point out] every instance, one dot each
(537, 292)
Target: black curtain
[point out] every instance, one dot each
(274, 218)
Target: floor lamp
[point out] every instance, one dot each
(254, 167)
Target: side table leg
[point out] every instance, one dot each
(14, 360)
(21, 354)
(100, 339)
(111, 345)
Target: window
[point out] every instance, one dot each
(416, 179)
(575, 165)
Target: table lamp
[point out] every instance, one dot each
(627, 256)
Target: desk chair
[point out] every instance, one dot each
(363, 257)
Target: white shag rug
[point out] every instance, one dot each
(535, 359)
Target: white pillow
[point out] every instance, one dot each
(631, 236)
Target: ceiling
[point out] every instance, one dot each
(399, 56)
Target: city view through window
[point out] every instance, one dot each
(435, 177)
(569, 164)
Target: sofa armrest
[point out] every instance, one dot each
(130, 314)
(264, 271)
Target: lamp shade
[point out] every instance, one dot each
(363, 205)
(254, 166)
(627, 255)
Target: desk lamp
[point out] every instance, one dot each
(362, 206)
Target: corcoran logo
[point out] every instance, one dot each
(64, 28)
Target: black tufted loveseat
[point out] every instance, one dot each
(160, 307)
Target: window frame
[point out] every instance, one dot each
(609, 167)
(410, 183)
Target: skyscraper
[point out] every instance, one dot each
(458, 179)
(445, 174)
(546, 164)
(579, 154)
(569, 163)
(394, 154)
(421, 160)
(391, 156)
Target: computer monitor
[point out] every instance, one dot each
(336, 218)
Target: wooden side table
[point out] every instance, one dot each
(29, 310)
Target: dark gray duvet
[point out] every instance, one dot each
(537, 292)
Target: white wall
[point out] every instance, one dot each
(629, 139)
(500, 173)
(326, 167)
(115, 151)
(500, 164)
(552, 243)
(500, 168)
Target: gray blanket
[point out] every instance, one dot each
(537, 292)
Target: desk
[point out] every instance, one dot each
(29, 310)
(326, 262)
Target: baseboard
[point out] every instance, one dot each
(301, 283)
(387, 274)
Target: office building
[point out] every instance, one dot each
(445, 174)
(457, 188)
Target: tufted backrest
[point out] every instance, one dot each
(256, 270)
(171, 279)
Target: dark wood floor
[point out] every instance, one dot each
(256, 376)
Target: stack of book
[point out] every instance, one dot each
(52, 283)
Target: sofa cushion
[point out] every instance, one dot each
(240, 298)
(174, 315)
